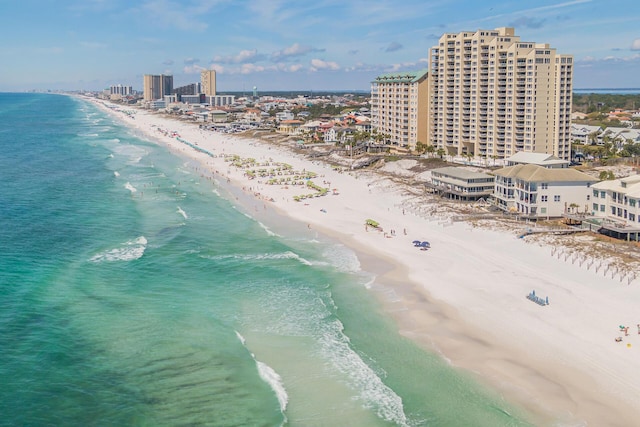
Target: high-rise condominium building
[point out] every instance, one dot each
(396, 99)
(208, 81)
(156, 86)
(121, 90)
(493, 95)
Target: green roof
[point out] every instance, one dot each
(402, 77)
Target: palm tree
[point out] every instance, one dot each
(431, 149)
(441, 152)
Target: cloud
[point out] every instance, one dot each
(393, 47)
(294, 50)
(191, 61)
(220, 69)
(192, 69)
(93, 45)
(319, 64)
(177, 14)
(53, 49)
(251, 68)
(635, 45)
(527, 22)
(242, 57)
(167, 62)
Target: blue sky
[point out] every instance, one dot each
(291, 45)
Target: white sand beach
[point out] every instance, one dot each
(466, 296)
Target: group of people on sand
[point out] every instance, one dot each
(625, 329)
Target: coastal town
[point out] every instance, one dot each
(494, 147)
(490, 211)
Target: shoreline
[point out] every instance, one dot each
(455, 299)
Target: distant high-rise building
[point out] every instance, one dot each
(156, 86)
(492, 95)
(208, 81)
(120, 90)
(190, 89)
(399, 105)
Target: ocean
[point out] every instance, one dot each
(135, 290)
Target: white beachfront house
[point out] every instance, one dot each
(538, 192)
(459, 183)
(617, 204)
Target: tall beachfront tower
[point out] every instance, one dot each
(156, 86)
(492, 95)
(399, 104)
(208, 81)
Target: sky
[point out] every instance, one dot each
(307, 45)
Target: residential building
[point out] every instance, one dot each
(192, 99)
(492, 95)
(190, 89)
(208, 81)
(291, 127)
(120, 90)
(617, 203)
(399, 104)
(220, 100)
(284, 115)
(460, 183)
(536, 192)
(156, 86)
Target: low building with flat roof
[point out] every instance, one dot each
(459, 183)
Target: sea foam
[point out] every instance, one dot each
(372, 391)
(269, 376)
(130, 187)
(128, 251)
(182, 212)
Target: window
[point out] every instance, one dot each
(556, 198)
(603, 194)
(595, 206)
(544, 185)
(595, 193)
(544, 198)
(601, 208)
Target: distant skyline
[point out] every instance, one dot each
(287, 45)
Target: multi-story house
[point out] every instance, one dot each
(617, 203)
(462, 184)
(538, 192)
(492, 95)
(398, 107)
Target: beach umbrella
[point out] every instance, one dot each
(425, 244)
(416, 242)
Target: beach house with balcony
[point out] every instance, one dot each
(536, 192)
(460, 183)
(616, 204)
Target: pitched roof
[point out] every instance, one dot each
(535, 158)
(629, 185)
(403, 77)
(536, 173)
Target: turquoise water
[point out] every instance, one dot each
(134, 292)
